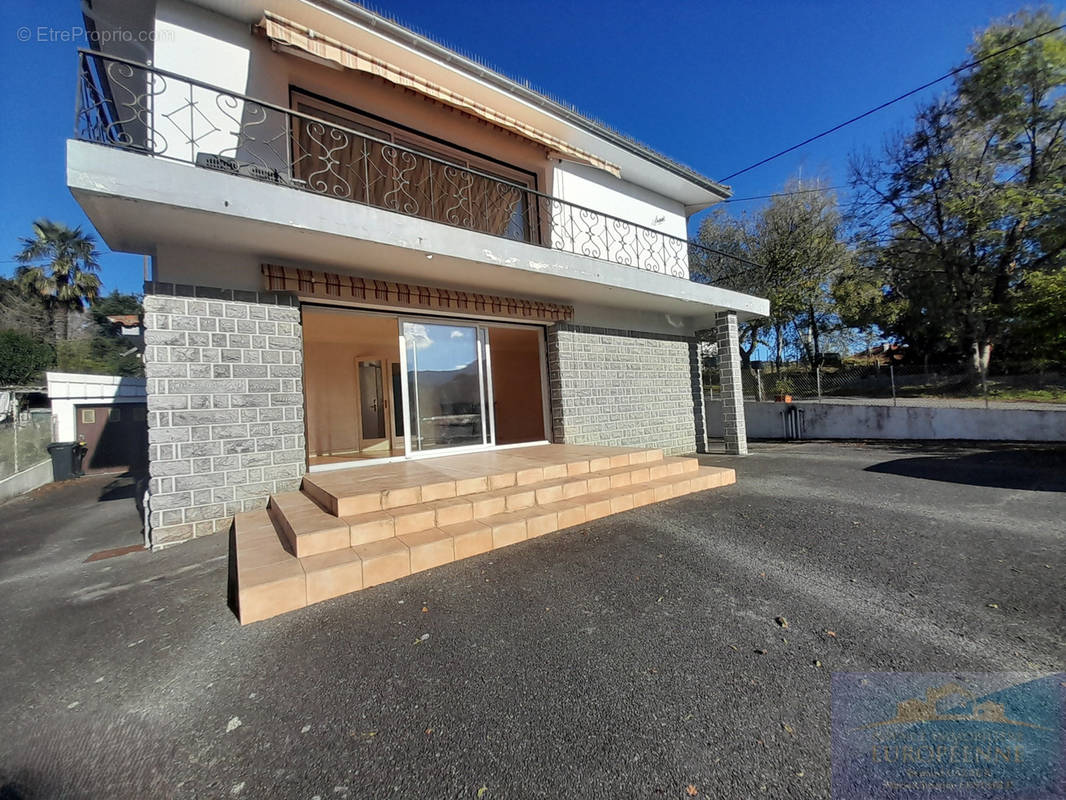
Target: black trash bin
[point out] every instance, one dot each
(66, 460)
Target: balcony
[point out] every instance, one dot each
(130, 107)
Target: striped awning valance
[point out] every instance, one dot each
(350, 288)
(287, 33)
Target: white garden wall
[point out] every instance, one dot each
(832, 421)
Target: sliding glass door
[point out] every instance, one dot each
(446, 392)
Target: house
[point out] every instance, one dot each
(368, 249)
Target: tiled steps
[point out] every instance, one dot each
(296, 553)
(310, 530)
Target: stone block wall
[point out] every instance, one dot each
(625, 388)
(225, 405)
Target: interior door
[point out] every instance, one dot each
(445, 386)
(373, 406)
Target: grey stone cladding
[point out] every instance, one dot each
(734, 427)
(225, 405)
(625, 388)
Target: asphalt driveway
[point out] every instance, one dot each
(636, 656)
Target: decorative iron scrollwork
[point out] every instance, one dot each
(132, 106)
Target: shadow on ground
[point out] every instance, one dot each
(1033, 468)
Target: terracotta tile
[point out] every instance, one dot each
(575, 488)
(450, 512)
(523, 477)
(638, 457)
(261, 554)
(598, 483)
(362, 503)
(400, 496)
(658, 471)
(410, 519)
(640, 475)
(501, 481)
(507, 529)
(663, 491)
(384, 561)
(487, 505)
(437, 491)
(599, 463)
(597, 506)
(620, 479)
(321, 496)
(577, 468)
(332, 574)
(549, 494)
(370, 527)
(689, 465)
(554, 471)
(674, 467)
(621, 502)
(570, 513)
(619, 460)
(540, 522)
(464, 486)
(701, 482)
(470, 538)
(643, 496)
(429, 549)
(267, 591)
(520, 498)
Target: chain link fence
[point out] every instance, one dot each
(898, 385)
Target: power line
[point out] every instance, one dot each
(886, 104)
(783, 194)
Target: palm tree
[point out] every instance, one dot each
(59, 264)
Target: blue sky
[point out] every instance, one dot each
(715, 85)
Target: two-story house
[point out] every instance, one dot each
(367, 249)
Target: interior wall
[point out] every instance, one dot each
(517, 389)
(333, 342)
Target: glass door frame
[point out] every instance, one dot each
(482, 324)
(484, 360)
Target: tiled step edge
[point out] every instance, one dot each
(351, 505)
(306, 527)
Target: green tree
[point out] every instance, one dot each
(23, 358)
(1040, 317)
(59, 264)
(792, 248)
(968, 205)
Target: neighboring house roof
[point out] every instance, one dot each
(125, 320)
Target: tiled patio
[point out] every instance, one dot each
(351, 529)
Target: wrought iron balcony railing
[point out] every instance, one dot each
(125, 104)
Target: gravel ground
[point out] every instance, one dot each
(637, 656)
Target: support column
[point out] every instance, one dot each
(733, 427)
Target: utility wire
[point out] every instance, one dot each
(782, 194)
(886, 104)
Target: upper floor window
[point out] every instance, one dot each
(390, 167)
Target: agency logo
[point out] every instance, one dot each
(933, 735)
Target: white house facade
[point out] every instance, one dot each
(368, 249)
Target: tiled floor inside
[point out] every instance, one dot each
(349, 529)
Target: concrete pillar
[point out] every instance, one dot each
(733, 427)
